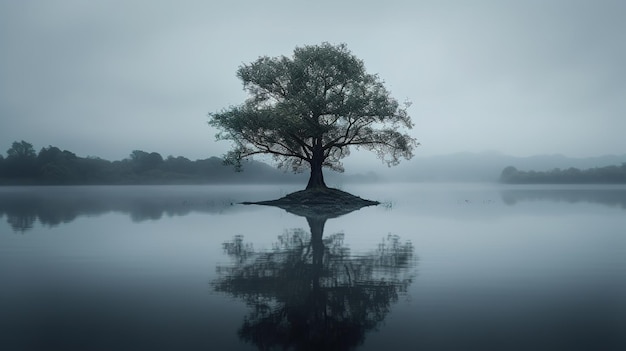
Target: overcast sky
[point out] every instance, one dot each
(103, 78)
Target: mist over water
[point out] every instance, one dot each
(435, 266)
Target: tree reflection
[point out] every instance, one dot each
(310, 293)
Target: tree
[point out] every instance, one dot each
(143, 161)
(20, 161)
(309, 109)
(21, 150)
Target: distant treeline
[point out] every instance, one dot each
(53, 166)
(609, 174)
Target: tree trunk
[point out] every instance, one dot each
(317, 178)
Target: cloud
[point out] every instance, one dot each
(106, 77)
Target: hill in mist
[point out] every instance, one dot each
(487, 166)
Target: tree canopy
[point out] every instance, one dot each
(600, 175)
(53, 166)
(309, 109)
(20, 161)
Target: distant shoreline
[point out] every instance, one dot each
(598, 175)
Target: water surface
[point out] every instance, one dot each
(436, 266)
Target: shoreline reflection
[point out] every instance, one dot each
(607, 197)
(23, 207)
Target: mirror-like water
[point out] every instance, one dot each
(436, 266)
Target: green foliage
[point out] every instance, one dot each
(609, 174)
(143, 161)
(20, 161)
(311, 108)
(55, 166)
(21, 150)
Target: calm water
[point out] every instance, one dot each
(435, 267)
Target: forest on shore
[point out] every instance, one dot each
(23, 165)
(53, 166)
(598, 175)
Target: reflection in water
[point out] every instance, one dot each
(310, 293)
(52, 206)
(608, 196)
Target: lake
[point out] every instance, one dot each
(434, 267)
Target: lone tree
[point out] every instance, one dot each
(309, 109)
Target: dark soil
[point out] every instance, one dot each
(319, 202)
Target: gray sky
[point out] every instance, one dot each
(103, 78)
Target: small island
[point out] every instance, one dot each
(318, 202)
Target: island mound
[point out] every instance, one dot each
(318, 202)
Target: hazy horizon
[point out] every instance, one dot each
(453, 167)
(356, 154)
(103, 78)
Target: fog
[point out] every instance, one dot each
(435, 266)
(109, 77)
(24, 208)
